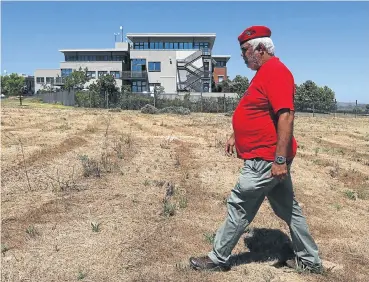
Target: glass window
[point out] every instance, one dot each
(138, 65)
(66, 72)
(40, 79)
(141, 45)
(49, 80)
(154, 66)
(220, 64)
(101, 73)
(115, 74)
(220, 78)
(91, 74)
(161, 45)
(175, 45)
(139, 86)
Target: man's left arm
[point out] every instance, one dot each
(284, 131)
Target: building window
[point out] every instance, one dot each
(49, 80)
(138, 86)
(156, 45)
(141, 45)
(119, 58)
(66, 72)
(102, 58)
(40, 79)
(220, 64)
(91, 74)
(154, 66)
(115, 74)
(153, 85)
(138, 64)
(220, 78)
(201, 45)
(102, 73)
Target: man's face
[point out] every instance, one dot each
(252, 58)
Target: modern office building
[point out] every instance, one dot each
(175, 61)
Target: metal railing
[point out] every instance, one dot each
(191, 57)
(134, 74)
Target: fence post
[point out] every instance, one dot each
(224, 103)
(313, 110)
(356, 108)
(201, 101)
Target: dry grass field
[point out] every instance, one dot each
(86, 195)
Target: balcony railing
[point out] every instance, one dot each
(134, 74)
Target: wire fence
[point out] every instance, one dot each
(196, 102)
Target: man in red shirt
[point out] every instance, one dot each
(263, 138)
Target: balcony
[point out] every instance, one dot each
(130, 75)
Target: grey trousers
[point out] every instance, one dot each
(253, 185)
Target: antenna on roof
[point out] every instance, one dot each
(121, 31)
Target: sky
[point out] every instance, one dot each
(320, 41)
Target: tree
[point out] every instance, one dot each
(326, 99)
(12, 84)
(107, 86)
(76, 80)
(224, 86)
(367, 108)
(306, 95)
(239, 85)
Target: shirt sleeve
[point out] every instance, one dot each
(280, 90)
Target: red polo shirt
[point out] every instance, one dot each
(271, 89)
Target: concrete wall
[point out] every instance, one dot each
(95, 66)
(122, 46)
(45, 73)
(167, 75)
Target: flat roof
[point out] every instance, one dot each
(132, 35)
(227, 57)
(209, 36)
(93, 50)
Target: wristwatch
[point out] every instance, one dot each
(280, 160)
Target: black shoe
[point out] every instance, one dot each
(205, 263)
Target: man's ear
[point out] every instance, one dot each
(260, 47)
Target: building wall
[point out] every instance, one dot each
(44, 73)
(95, 66)
(219, 71)
(167, 75)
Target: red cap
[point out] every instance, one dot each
(252, 32)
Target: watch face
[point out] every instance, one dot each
(281, 160)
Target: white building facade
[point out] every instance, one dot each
(177, 62)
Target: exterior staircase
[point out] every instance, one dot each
(194, 75)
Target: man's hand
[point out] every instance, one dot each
(230, 145)
(279, 170)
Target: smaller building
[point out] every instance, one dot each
(220, 68)
(45, 78)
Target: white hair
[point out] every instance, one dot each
(266, 41)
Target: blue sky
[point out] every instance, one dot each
(321, 41)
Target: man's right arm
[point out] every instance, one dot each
(230, 145)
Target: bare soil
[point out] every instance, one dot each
(94, 195)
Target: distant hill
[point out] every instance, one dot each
(349, 106)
